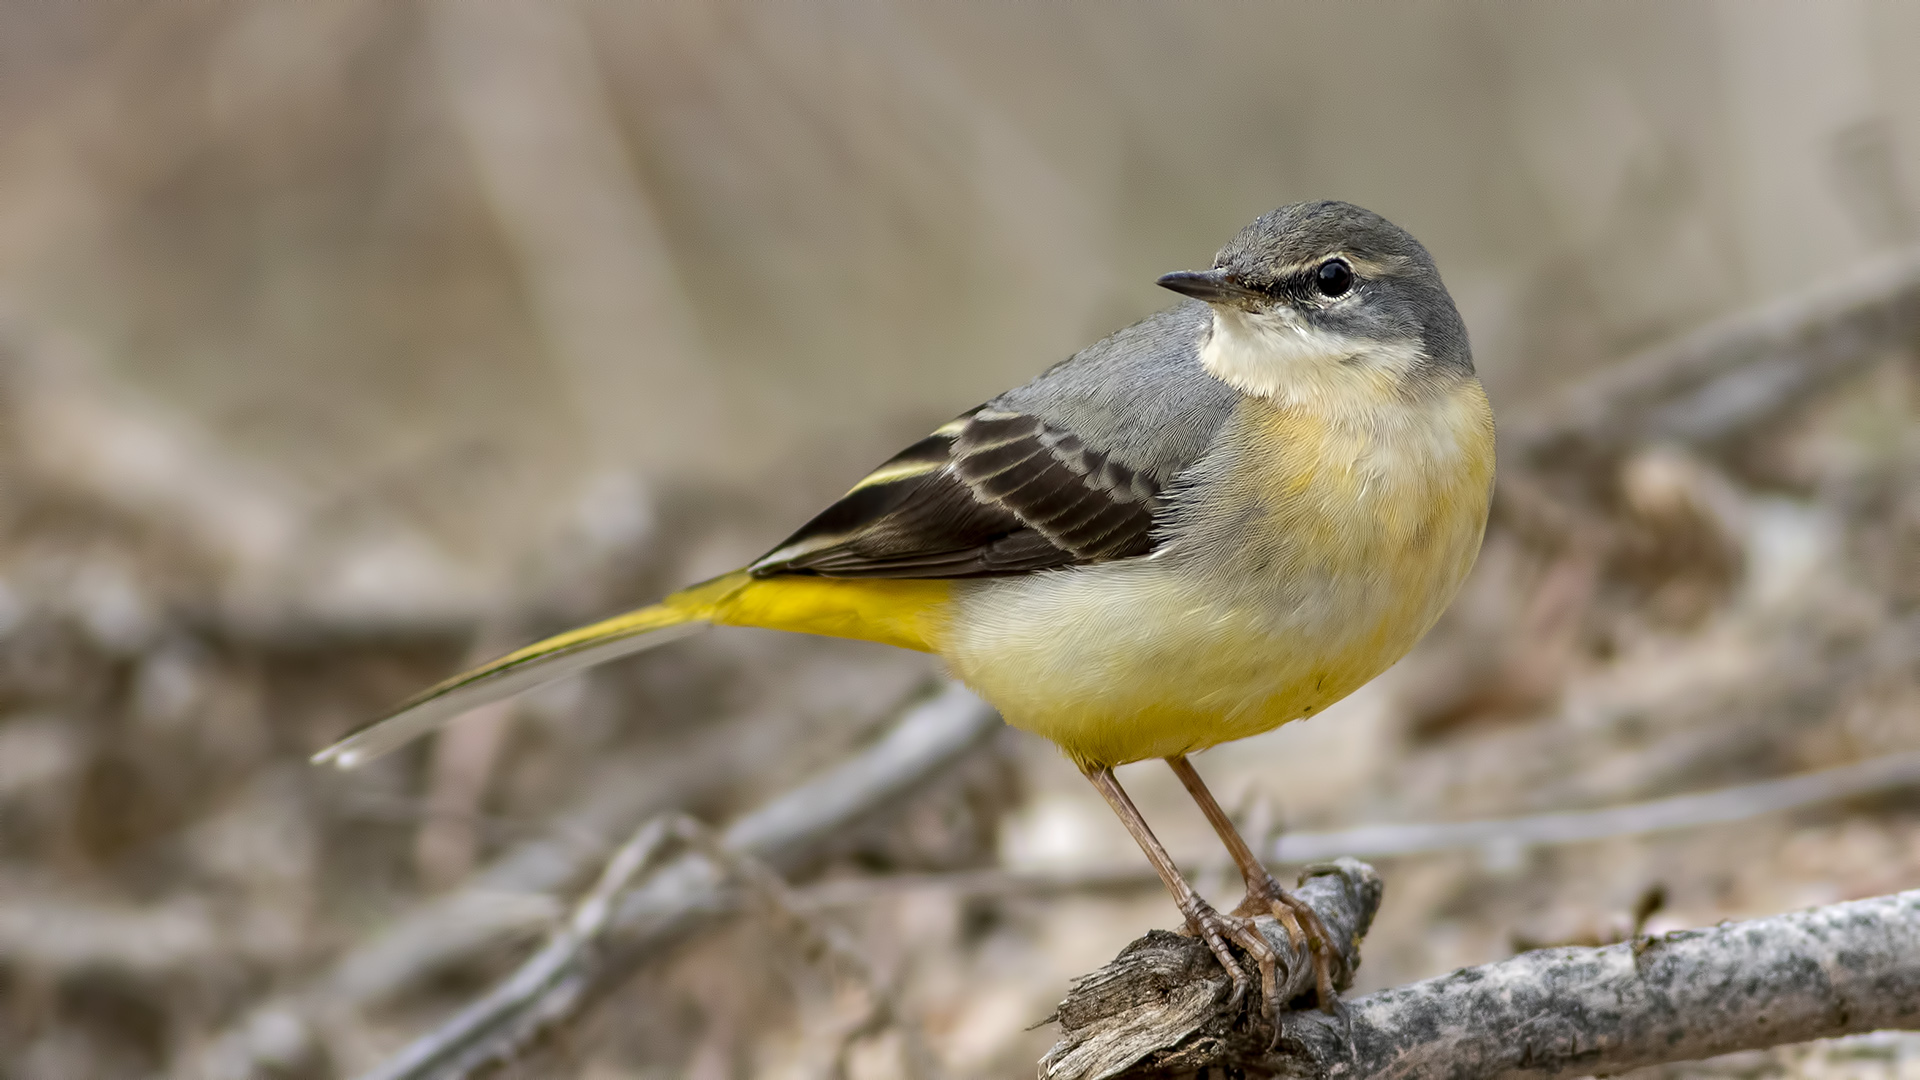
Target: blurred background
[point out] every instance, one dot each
(342, 343)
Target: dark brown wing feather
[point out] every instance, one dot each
(994, 492)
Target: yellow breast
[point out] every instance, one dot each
(1306, 554)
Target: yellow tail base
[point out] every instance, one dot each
(907, 614)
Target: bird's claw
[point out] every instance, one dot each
(1304, 927)
(1217, 929)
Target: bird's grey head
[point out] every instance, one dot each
(1326, 283)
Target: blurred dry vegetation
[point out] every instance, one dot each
(342, 342)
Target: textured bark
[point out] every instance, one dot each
(1159, 1007)
(1829, 971)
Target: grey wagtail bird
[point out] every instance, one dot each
(1225, 517)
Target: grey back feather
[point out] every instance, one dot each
(1139, 396)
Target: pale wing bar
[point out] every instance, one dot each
(992, 493)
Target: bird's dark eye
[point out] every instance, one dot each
(1333, 278)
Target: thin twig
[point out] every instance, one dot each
(826, 938)
(621, 922)
(544, 987)
(507, 902)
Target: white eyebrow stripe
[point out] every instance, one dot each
(1385, 266)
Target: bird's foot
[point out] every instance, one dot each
(1217, 929)
(1303, 926)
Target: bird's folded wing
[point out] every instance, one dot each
(993, 492)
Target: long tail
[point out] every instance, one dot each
(909, 614)
(683, 613)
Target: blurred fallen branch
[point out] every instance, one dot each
(1728, 375)
(1892, 772)
(63, 934)
(542, 989)
(1499, 838)
(509, 901)
(617, 926)
(512, 899)
(1681, 996)
(549, 986)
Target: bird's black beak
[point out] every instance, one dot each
(1214, 286)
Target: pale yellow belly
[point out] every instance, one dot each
(1325, 578)
(1124, 662)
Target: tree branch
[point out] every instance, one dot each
(1692, 994)
(1161, 999)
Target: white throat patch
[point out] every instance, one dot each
(1279, 357)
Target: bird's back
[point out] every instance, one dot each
(1140, 394)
